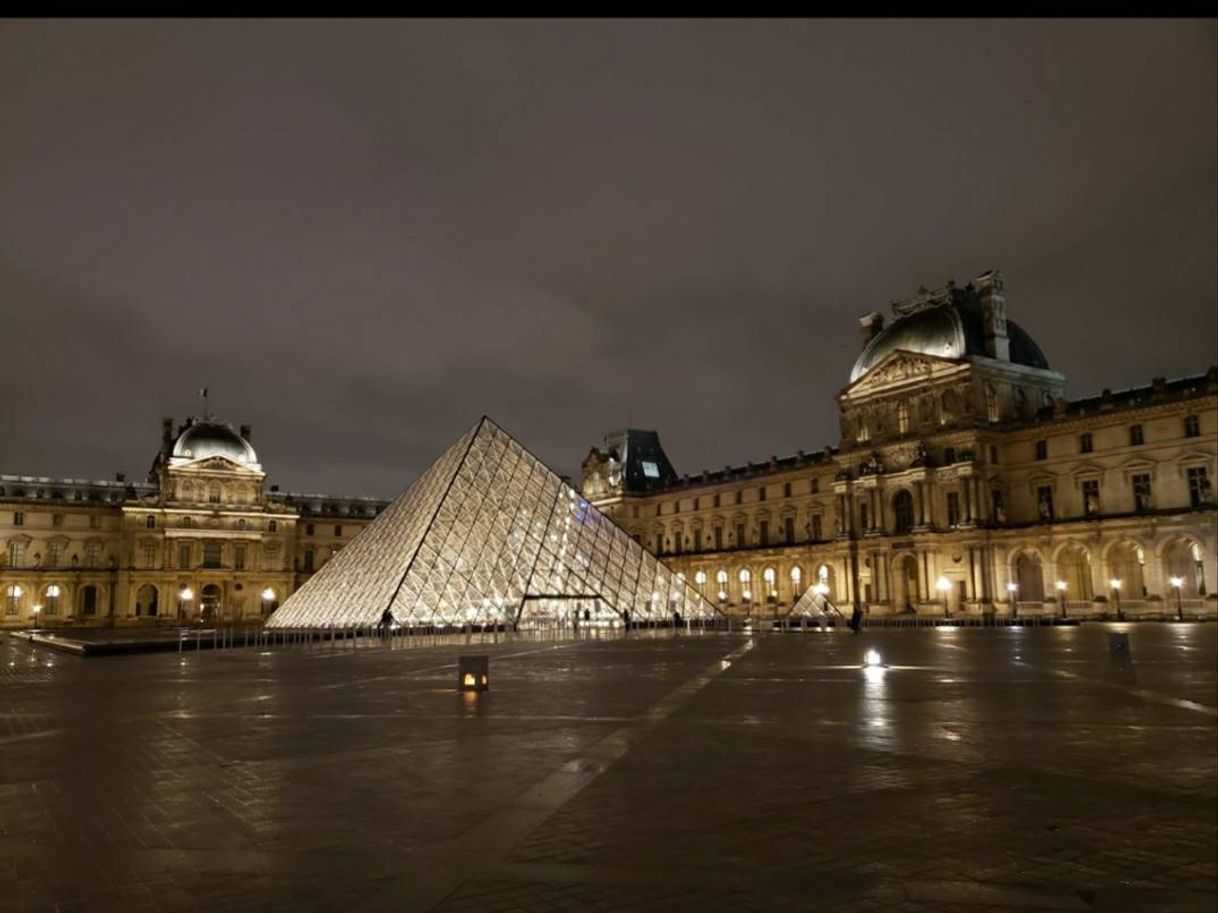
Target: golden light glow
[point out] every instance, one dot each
(468, 681)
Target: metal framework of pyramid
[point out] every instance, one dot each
(812, 604)
(488, 535)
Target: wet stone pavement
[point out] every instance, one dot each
(1005, 770)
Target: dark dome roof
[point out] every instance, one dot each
(952, 329)
(203, 439)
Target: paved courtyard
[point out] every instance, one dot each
(993, 769)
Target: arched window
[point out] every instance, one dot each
(88, 600)
(797, 577)
(770, 576)
(721, 582)
(746, 580)
(903, 511)
(50, 599)
(700, 578)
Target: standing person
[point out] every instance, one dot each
(856, 618)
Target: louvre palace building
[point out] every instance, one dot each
(963, 483)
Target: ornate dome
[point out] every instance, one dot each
(951, 329)
(205, 438)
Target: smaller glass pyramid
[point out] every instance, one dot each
(813, 605)
(487, 535)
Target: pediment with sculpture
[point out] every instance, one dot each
(899, 367)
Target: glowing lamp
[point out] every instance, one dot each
(943, 585)
(186, 594)
(473, 673)
(268, 594)
(872, 659)
(1012, 587)
(1177, 582)
(1115, 583)
(1061, 586)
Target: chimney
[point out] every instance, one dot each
(994, 315)
(245, 432)
(166, 436)
(274, 488)
(120, 477)
(872, 324)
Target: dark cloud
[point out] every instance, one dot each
(363, 235)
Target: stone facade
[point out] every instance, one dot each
(201, 539)
(964, 482)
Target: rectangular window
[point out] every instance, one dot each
(696, 500)
(719, 538)
(1042, 450)
(650, 470)
(658, 509)
(149, 555)
(998, 505)
(863, 517)
(815, 486)
(816, 528)
(12, 600)
(88, 600)
(16, 554)
(1192, 426)
(993, 454)
(716, 500)
(94, 521)
(739, 497)
(184, 556)
(308, 529)
(92, 555)
(338, 530)
(1091, 497)
(1141, 490)
(239, 557)
(57, 519)
(739, 535)
(761, 493)
(1198, 486)
(789, 524)
(786, 489)
(764, 528)
(1084, 442)
(953, 508)
(213, 496)
(676, 507)
(308, 560)
(18, 519)
(1135, 436)
(212, 554)
(1044, 502)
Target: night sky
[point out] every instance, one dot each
(362, 236)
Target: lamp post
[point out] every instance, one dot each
(1115, 583)
(37, 609)
(1061, 594)
(1177, 583)
(1013, 590)
(268, 596)
(185, 595)
(943, 585)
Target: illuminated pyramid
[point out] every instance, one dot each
(813, 604)
(489, 536)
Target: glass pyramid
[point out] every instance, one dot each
(812, 604)
(489, 536)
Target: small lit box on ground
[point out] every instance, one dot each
(473, 673)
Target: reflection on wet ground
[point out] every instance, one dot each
(1002, 769)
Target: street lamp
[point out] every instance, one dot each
(1115, 583)
(1013, 591)
(1061, 591)
(268, 597)
(185, 595)
(943, 585)
(37, 609)
(1176, 583)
